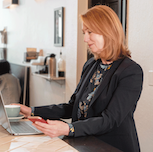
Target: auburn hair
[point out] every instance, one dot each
(102, 20)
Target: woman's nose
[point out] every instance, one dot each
(86, 37)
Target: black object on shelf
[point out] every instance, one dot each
(43, 71)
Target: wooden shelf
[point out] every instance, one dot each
(59, 80)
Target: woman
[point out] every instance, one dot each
(106, 96)
(9, 84)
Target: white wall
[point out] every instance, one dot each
(31, 24)
(140, 40)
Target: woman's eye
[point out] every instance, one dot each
(89, 32)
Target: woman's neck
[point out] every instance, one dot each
(106, 62)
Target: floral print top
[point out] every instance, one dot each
(91, 88)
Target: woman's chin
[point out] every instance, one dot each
(95, 52)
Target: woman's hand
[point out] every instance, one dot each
(24, 110)
(54, 128)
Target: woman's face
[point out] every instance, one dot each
(94, 41)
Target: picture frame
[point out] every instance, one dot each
(58, 26)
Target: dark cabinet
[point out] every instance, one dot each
(116, 6)
(92, 3)
(119, 6)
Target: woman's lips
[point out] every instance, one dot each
(90, 45)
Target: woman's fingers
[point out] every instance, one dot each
(46, 129)
(54, 128)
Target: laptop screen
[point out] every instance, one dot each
(22, 72)
(15, 127)
(3, 116)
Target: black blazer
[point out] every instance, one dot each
(110, 113)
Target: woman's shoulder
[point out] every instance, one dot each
(129, 64)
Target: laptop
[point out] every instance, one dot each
(16, 128)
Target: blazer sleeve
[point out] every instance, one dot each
(63, 110)
(123, 102)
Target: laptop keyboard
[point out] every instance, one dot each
(23, 127)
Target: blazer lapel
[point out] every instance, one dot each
(87, 76)
(84, 82)
(106, 80)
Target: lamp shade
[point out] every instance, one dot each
(8, 3)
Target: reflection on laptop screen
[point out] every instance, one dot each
(3, 116)
(22, 73)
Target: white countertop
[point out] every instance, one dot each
(32, 143)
